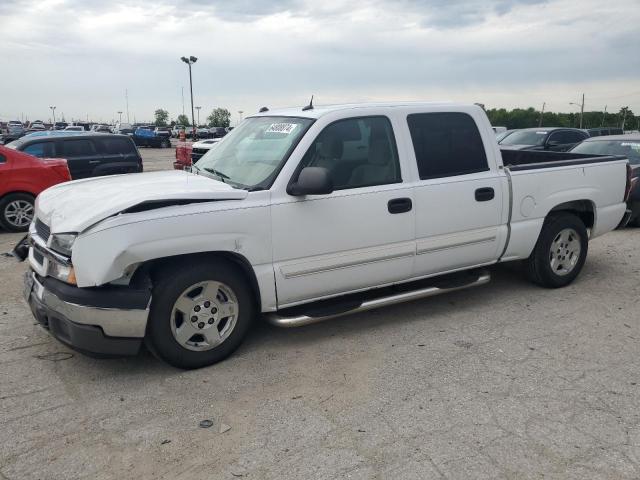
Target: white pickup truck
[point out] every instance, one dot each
(306, 214)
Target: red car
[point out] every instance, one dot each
(22, 178)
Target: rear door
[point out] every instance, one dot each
(82, 156)
(119, 155)
(459, 195)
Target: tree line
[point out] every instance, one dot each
(530, 117)
(219, 117)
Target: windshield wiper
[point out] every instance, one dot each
(222, 176)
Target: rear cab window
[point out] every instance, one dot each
(446, 144)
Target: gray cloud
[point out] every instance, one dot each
(83, 54)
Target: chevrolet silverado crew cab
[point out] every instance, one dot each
(305, 214)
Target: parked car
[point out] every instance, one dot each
(163, 131)
(602, 131)
(60, 126)
(553, 139)
(87, 154)
(14, 132)
(146, 136)
(36, 127)
(175, 131)
(501, 135)
(22, 178)
(74, 128)
(203, 132)
(217, 132)
(198, 149)
(124, 129)
(627, 146)
(304, 215)
(102, 129)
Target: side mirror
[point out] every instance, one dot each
(311, 181)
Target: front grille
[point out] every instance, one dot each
(42, 230)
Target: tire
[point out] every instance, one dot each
(16, 212)
(175, 296)
(166, 143)
(567, 235)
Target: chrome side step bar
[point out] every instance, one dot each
(277, 319)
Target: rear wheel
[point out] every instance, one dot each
(165, 143)
(16, 212)
(560, 252)
(200, 313)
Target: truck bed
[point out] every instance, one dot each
(533, 159)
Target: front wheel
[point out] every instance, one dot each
(16, 212)
(200, 313)
(560, 252)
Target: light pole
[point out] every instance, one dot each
(240, 112)
(581, 105)
(542, 113)
(198, 108)
(120, 115)
(190, 61)
(53, 111)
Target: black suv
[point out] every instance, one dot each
(87, 154)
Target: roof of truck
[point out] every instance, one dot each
(319, 110)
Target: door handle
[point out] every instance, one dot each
(399, 205)
(484, 194)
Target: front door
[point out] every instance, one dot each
(359, 236)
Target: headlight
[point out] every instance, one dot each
(62, 272)
(63, 243)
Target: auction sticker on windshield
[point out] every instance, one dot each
(285, 128)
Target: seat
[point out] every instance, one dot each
(329, 153)
(378, 170)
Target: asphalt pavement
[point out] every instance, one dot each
(507, 380)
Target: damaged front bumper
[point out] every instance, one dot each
(104, 321)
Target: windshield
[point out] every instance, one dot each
(525, 137)
(251, 155)
(628, 148)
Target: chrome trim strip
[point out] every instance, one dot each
(278, 320)
(114, 322)
(327, 263)
(422, 251)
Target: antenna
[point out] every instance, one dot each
(263, 109)
(310, 106)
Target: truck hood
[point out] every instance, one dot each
(75, 206)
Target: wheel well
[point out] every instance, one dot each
(583, 209)
(24, 192)
(149, 269)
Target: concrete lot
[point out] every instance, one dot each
(504, 381)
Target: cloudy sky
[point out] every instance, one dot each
(81, 55)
